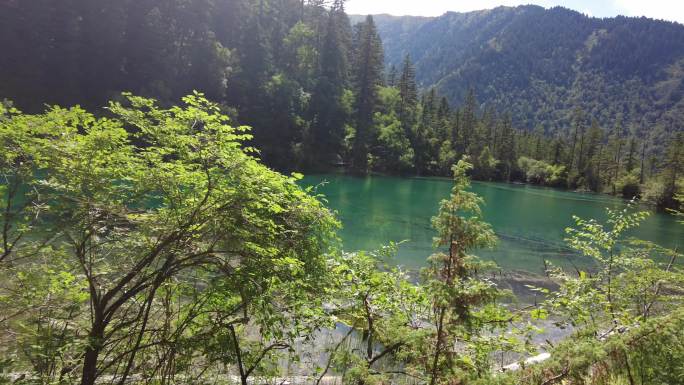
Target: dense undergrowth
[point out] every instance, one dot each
(651, 353)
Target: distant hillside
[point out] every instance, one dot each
(541, 64)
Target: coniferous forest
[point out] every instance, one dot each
(318, 93)
(155, 229)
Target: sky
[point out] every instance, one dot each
(672, 10)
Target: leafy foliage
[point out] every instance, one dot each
(135, 222)
(633, 280)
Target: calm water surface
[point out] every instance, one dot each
(530, 221)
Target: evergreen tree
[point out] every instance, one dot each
(674, 168)
(594, 149)
(539, 143)
(506, 153)
(425, 137)
(408, 93)
(632, 149)
(558, 146)
(408, 90)
(328, 113)
(392, 76)
(367, 75)
(468, 122)
(462, 303)
(575, 160)
(614, 154)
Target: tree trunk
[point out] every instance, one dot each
(643, 155)
(92, 353)
(438, 348)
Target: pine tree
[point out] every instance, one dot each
(674, 167)
(328, 115)
(507, 147)
(539, 143)
(594, 148)
(615, 148)
(425, 137)
(558, 146)
(444, 109)
(642, 166)
(490, 126)
(408, 93)
(574, 162)
(392, 76)
(462, 303)
(367, 71)
(468, 122)
(630, 162)
(256, 57)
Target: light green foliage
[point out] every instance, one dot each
(300, 44)
(148, 202)
(395, 152)
(626, 312)
(486, 164)
(385, 310)
(447, 155)
(629, 282)
(649, 354)
(540, 172)
(467, 229)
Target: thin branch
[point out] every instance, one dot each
(275, 346)
(390, 349)
(329, 363)
(656, 293)
(557, 378)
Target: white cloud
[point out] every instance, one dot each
(657, 9)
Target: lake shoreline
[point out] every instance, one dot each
(650, 206)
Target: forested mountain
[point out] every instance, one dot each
(542, 96)
(540, 64)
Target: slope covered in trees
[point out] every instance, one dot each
(541, 64)
(529, 94)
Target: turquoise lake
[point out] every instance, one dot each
(529, 221)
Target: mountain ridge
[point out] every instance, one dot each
(542, 64)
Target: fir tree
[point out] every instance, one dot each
(328, 115)
(674, 164)
(468, 122)
(408, 93)
(367, 70)
(462, 302)
(392, 76)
